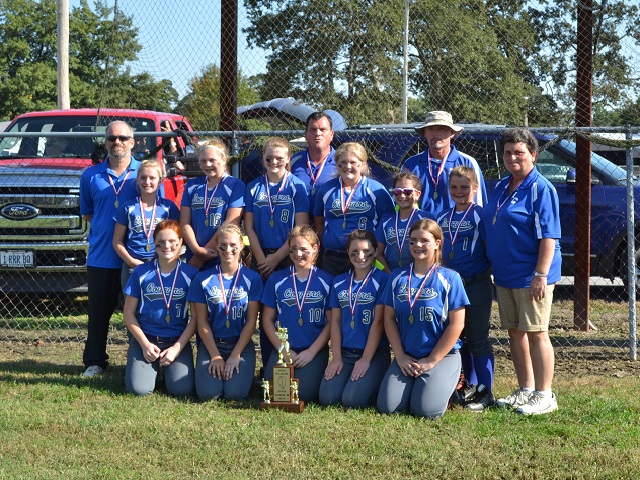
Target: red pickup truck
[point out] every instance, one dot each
(43, 237)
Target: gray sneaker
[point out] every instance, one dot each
(538, 404)
(515, 399)
(92, 371)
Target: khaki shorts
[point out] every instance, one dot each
(518, 311)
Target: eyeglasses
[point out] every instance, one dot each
(113, 138)
(403, 191)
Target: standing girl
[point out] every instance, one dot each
(360, 351)
(209, 202)
(423, 319)
(346, 203)
(393, 231)
(225, 303)
(136, 219)
(464, 251)
(155, 312)
(299, 297)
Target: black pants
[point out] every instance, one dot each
(104, 289)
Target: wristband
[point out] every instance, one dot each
(537, 274)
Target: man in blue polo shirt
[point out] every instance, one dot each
(103, 188)
(434, 164)
(315, 165)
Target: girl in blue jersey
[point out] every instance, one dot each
(136, 219)
(208, 202)
(393, 231)
(155, 312)
(275, 203)
(360, 351)
(299, 297)
(464, 251)
(346, 203)
(423, 319)
(224, 302)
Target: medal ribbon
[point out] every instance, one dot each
(352, 307)
(300, 304)
(406, 230)
(113, 187)
(152, 226)
(422, 284)
(454, 237)
(283, 183)
(207, 204)
(314, 178)
(167, 303)
(506, 189)
(440, 170)
(345, 207)
(227, 308)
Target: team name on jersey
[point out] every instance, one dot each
(312, 297)
(137, 223)
(198, 201)
(154, 292)
(426, 294)
(281, 199)
(363, 298)
(215, 294)
(354, 207)
(464, 227)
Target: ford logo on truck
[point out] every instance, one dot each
(19, 211)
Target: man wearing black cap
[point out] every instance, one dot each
(434, 164)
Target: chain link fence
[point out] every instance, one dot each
(487, 62)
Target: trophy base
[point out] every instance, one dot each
(286, 406)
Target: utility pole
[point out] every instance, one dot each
(63, 54)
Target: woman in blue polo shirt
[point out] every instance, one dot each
(299, 298)
(225, 302)
(463, 250)
(208, 202)
(423, 318)
(360, 351)
(349, 202)
(155, 312)
(136, 219)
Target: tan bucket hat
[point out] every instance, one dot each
(439, 117)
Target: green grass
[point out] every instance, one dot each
(55, 424)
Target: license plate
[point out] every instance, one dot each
(16, 259)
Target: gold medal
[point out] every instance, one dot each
(227, 323)
(167, 318)
(271, 222)
(400, 262)
(116, 203)
(353, 325)
(435, 195)
(206, 222)
(451, 254)
(411, 318)
(313, 191)
(495, 219)
(300, 322)
(148, 247)
(344, 224)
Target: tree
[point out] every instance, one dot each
(100, 45)
(202, 103)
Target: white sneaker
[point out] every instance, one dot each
(538, 404)
(92, 371)
(515, 399)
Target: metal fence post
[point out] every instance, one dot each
(631, 251)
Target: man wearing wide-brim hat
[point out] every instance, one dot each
(434, 164)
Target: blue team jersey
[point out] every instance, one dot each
(130, 215)
(469, 254)
(291, 199)
(279, 295)
(98, 198)
(229, 194)
(386, 235)
(513, 241)
(152, 310)
(356, 326)
(300, 169)
(435, 188)
(442, 292)
(370, 202)
(206, 289)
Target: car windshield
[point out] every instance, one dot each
(63, 144)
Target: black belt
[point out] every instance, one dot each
(154, 339)
(476, 277)
(227, 340)
(355, 351)
(337, 253)
(269, 251)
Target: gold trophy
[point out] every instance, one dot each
(282, 391)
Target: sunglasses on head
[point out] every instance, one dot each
(113, 138)
(401, 191)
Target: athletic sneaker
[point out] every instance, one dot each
(515, 399)
(539, 404)
(92, 371)
(482, 400)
